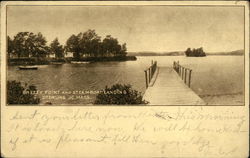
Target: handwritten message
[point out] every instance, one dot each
(179, 130)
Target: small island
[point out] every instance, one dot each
(27, 48)
(195, 52)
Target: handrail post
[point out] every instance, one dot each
(182, 72)
(178, 67)
(152, 73)
(149, 73)
(153, 70)
(175, 66)
(189, 80)
(146, 77)
(185, 80)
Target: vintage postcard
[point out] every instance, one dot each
(125, 79)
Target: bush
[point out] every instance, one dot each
(15, 93)
(119, 94)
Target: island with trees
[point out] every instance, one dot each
(27, 48)
(195, 52)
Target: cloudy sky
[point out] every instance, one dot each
(143, 28)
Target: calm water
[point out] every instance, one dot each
(212, 76)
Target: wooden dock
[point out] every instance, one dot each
(167, 88)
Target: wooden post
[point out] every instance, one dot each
(146, 78)
(182, 73)
(178, 67)
(152, 73)
(149, 74)
(185, 80)
(153, 70)
(155, 65)
(189, 80)
(180, 70)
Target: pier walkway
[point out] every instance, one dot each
(166, 87)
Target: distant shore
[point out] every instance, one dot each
(48, 61)
(182, 53)
(189, 56)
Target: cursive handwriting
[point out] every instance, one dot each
(180, 128)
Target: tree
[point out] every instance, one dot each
(123, 50)
(188, 52)
(111, 46)
(20, 44)
(195, 52)
(40, 48)
(84, 44)
(72, 45)
(200, 52)
(56, 49)
(27, 44)
(89, 43)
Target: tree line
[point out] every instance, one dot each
(84, 44)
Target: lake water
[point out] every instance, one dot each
(217, 79)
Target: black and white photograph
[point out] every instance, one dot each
(125, 55)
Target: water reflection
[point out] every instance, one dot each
(212, 75)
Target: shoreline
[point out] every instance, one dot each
(51, 61)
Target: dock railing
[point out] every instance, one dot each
(149, 72)
(184, 73)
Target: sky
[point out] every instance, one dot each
(142, 28)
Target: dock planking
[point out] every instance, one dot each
(167, 88)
